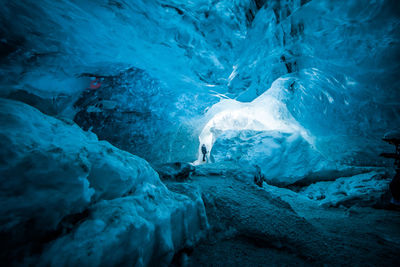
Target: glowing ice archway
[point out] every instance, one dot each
(265, 113)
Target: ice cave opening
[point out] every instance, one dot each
(265, 113)
(105, 106)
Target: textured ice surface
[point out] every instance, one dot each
(187, 44)
(340, 60)
(266, 113)
(137, 113)
(284, 158)
(53, 48)
(51, 170)
(362, 189)
(144, 229)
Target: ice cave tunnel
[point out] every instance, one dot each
(200, 133)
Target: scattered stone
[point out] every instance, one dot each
(179, 171)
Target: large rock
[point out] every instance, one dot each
(52, 172)
(175, 171)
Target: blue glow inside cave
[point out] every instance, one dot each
(105, 106)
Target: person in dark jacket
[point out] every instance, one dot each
(395, 188)
(393, 138)
(204, 151)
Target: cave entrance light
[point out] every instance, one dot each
(265, 113)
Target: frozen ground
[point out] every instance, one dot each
(271, 226)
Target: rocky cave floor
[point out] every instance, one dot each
(273, 226)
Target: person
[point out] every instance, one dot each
(393, 138)
(395, 188)
(204, 151)
(259, 177)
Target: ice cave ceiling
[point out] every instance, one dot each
(163, 64)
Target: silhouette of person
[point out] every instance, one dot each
(204, 151)
(395, 188)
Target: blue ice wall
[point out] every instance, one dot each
(52, 49)
(341, 60)
(183, 43)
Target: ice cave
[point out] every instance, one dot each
(200, 133)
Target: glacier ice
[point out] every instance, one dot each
(130, 111)
(266, 112)
(341, 59)
(141, 230)
(361, 189)
(284, 158)
(302, 89)
(52, 170)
